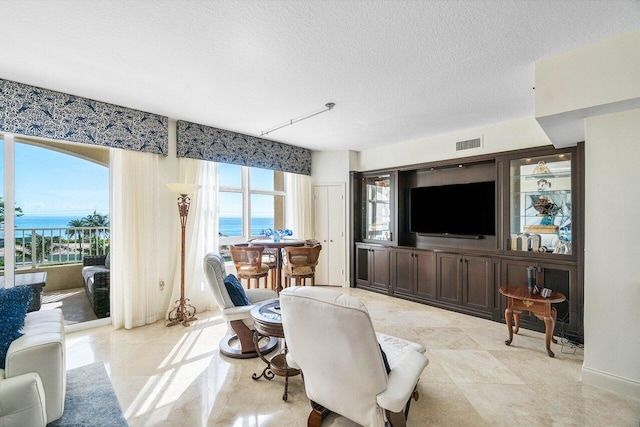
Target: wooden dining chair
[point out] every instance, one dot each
(269, 259)
(311, 242)
(248, 262)
(300, 264)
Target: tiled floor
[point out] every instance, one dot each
(73, 302)
(176, 376)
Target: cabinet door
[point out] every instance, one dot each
(379, 270)
(402, 265)
(558, 277)
(514, 273)
(425, 270)
(477, 282)
(336, 233)
(329, 230)
(562, 278)
(362, 265)
(377, 208)
(541, 200)
(449, 278)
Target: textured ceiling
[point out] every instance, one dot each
(397, 70)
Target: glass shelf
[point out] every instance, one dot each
(543, 192)
(540, 204)
(532, 177)
(376, 222)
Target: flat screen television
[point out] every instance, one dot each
(465, 210)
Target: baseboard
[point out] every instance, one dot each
(87, 325)
(613, 383)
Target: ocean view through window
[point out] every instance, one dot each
(61, 203)
(230, 226)
(250, 200)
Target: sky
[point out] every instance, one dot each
(49, 183)
(230, 203)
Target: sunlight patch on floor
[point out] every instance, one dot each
(150, 391)
(50, 298)
(252, 420)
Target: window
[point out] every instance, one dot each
(57, 200)
(250, 200)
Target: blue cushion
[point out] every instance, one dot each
(236, 291)
(14, 303)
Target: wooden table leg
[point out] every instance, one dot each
(278, 270)
(549, 324)
(508, 313)
(554, 314)
(286, 384)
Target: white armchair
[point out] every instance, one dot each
(33, 383)
(331, 338)
(238, 319)
(22, 401)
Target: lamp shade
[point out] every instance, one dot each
(180, 188)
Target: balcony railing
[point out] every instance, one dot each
(37, 247)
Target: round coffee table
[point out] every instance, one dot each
(268, 323)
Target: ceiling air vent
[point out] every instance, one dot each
(469, 144)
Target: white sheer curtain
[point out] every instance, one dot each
(201, 233)
(134, 238)
(299, 205)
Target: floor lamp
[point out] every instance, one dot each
(183, 312)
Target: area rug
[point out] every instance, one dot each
(90, 399)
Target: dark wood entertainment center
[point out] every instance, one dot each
(539, 218)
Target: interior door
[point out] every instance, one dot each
(329, 230)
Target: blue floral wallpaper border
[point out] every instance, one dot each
(33, 111)
(208, 143)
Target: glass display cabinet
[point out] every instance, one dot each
(376, 209)
(540, 204)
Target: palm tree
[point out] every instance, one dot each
(18, 211)
(76, 223)
(101, 230)
(97, 220)
(43, 245)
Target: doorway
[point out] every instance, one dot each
(329, 230)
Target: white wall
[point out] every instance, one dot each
(594, 75)
(511, 135)
(601, 83)
(612, 279)
(602, 78)
(332, 167)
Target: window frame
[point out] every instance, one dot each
(247, 192)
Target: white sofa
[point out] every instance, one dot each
(33, 383)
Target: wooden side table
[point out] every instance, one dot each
(268, 322)
(520, 299)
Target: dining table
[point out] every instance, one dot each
(278, 245)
